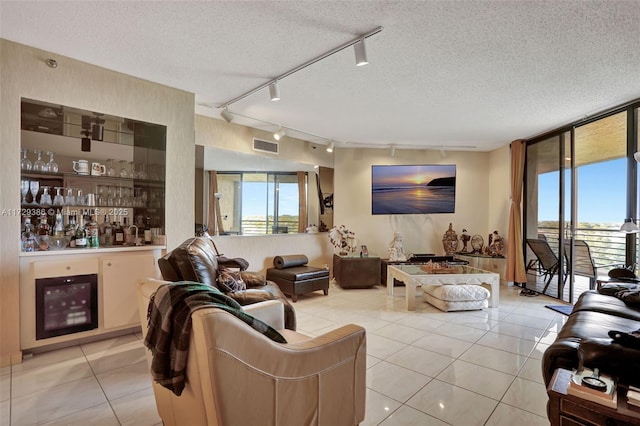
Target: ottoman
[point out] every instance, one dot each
(456, 297)
(294, 277)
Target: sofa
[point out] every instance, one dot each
(197, 260)
(584, 340)
(238, 376)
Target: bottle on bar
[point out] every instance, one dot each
(44, 231)
(70, 230)
(93, 232)
(106, 232)
(81, 234)
(128, 239)
(28, 240)
(58, 228)
(147, 231)
(118, 233)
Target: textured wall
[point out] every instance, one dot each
(81, 85)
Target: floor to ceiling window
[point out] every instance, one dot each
(580, 185)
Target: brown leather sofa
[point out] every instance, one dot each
(196, 260)
(584, 339)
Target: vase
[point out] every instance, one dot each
(450, 241)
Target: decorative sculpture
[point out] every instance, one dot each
(343, 239)
(496, 245)
(396, 249)
(465, 238)
(450, 241)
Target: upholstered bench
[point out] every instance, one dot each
(294, 277)
(456, 297)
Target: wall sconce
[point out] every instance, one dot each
(629, 226)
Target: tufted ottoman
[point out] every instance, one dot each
(456, 297)
(294, 277)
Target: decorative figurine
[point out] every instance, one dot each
(496, 245)
(465, 238)
(396, 249)
(450, 241)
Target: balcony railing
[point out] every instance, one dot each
(607, 246)
(262, 227)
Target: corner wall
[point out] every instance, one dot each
(81, 85)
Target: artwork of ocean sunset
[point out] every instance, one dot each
(413, 189)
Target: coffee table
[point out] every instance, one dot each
(414, 276)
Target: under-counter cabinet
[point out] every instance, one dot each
(115, 272)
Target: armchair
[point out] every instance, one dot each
(197, 260)
(237, 376)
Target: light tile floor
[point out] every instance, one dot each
(423, 368)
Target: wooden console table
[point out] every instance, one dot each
(572, 410)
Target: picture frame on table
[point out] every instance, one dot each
(364, 252)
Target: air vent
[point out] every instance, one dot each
(266, 146)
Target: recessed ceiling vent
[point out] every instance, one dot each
(266, 146)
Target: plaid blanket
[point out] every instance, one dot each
(169, 327)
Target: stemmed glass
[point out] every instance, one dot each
(111, 172)
(24, 190)
(142, 173)
(123, 170)
(25, 163)
(45, 198)
(132, 170)
(34, 187)
(39, 165)
(58, 200)
(52, 165)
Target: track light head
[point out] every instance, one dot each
(226, 114)
(274, 91)
(392, 151)
(330, 146)
(279, 134)
(443, 153)
(361, 53)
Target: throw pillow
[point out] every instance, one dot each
(252, 279)
(630, 297)
(612, 289)
(230, 281)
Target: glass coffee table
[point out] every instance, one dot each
(415, 276)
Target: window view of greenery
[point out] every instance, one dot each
(259, 203)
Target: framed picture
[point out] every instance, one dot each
(364, 252)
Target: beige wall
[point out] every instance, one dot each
(482, 198)
(23, 73)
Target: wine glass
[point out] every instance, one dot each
(123, 171)
(25, 163)
(58, 200)
(111, 172)
(132, 170)
(24, 190)
(34, 187)
(45, 198)
(70, 199)
(52, 165)
(142, 173)
(39, 165)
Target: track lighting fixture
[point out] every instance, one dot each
(279, 134)
(392, 151)
(443, 153)
(226, 114)
(330, 146)
(361, 53)
(274, 91)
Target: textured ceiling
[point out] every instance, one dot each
(442, 73)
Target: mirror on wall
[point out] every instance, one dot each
(245, 194)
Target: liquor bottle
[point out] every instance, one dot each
(147, 231)
(28, 240)
(118, 234)
(70, 230)
(106, 230)
(93, 232)
(44, 231)
(128, 239)
(81, 234)
(58, 228)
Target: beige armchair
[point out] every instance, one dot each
(237, 376)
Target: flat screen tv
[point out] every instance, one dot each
(413, 189)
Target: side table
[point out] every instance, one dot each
(564, 409)
(356, 272)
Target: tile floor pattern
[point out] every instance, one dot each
(423, 368)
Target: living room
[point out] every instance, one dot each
(482, 206)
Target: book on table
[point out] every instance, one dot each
(633, 396)
(607, 397)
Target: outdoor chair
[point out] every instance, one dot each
(533, 263)
(583, 264)
(548, 263)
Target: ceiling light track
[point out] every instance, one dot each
(360, 59)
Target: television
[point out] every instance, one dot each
(413, 189)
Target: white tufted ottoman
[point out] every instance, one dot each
(456, 297)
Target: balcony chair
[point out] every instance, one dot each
(583, 263)
(237, 376)
(548, 263)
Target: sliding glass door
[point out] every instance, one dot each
(580, 185)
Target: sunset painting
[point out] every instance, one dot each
(413, 189)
